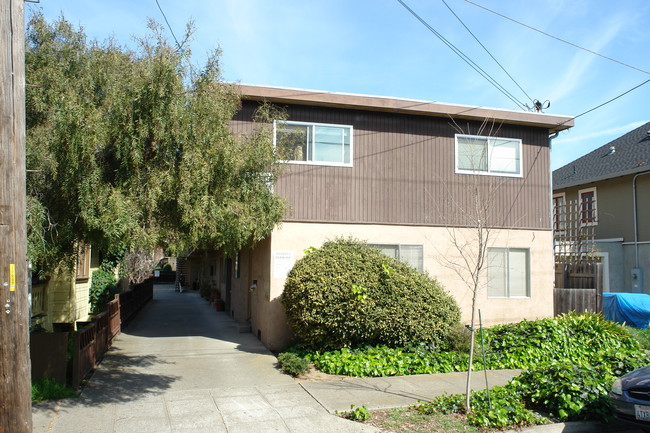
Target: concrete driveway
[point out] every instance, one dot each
(182, 367)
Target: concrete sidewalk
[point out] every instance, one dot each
(181, 367)
(397, 391)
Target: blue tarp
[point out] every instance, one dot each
(633, 309)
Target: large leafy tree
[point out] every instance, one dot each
(131, 148)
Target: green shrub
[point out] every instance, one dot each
(50, 389)
(167, 267)
(584, 339)
(501, 407)
(293, 364)
(347, 294)
(642, 336)
(377, 361)
(103, 288)
(567, 391)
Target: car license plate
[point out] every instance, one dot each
(642, 413)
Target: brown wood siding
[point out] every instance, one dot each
(404, 173)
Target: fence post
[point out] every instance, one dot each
(599, 286)
(76, 355)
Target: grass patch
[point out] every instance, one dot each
(641, 335)
(49, 389)
(403, 420)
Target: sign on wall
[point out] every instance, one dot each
(282, 263)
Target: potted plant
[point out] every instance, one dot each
(215, 298)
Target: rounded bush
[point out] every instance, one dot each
(348, 294)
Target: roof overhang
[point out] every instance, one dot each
(636, 170)
(553, 123)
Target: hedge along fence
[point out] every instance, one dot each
(93, 340)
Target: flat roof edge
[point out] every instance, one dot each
(553, 123)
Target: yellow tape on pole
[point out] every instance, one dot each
(12, 277)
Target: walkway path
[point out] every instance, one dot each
(181, 367)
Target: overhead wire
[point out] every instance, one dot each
(557, 38)
(168, 25)
(464, 57)
(561, 40)
(487, 51)
(606, 102)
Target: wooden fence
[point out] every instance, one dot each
(578, 287)
(131, 302)
(93, 340)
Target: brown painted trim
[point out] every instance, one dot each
(366, 223)
(553, 123)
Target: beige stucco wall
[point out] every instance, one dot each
(268, 316)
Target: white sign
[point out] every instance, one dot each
(282, 263)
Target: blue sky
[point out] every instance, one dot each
(377, 47)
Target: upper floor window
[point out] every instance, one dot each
(314, 143)
(409, 254)
(83, 262)
(488, 155)
(588, 210)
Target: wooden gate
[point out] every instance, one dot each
(578, 271)
(578, 287)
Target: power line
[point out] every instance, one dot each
(168, 25)
(465, 58)
(487, 51)
(605, 103)
(558, 39)
(613, 99)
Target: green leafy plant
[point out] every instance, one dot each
(374, 361)
(502, 407)
(567, 391)
(103, 288)
(358, 414)
(347, 294)
(584, 339)
(444, 404)
(642, 336)
(50, 389)
(291, 363)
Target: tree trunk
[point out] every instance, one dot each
(468, 386)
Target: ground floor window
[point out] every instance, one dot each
(408, 253)
(508, 272)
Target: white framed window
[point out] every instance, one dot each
(588, 207)
(411, 254)
(488, 155)
(559, 212)
(508, 273)
(314, 143)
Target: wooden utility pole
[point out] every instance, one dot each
(15, 372)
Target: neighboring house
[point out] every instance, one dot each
(611, 187)
(389, 171)
(62, 300)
